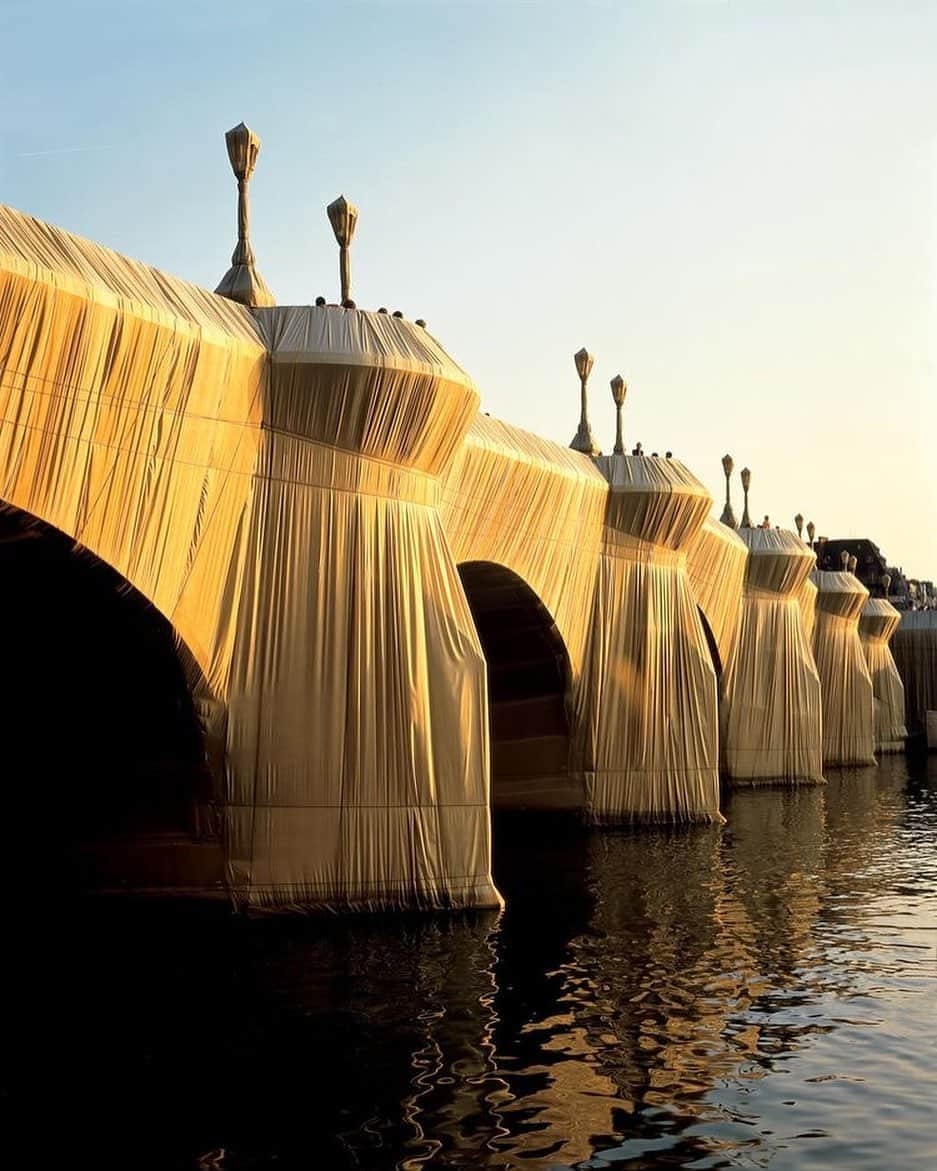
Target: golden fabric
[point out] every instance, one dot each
(807, 600)
(772, 712)
(600, 543)
(848, 710)
(914, 646)
(877, 623)
(646, 735)
(270, 482)
(716, 561)
(537, 509)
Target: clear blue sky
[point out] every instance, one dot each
(734, 204)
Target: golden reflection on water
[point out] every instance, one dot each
(678, 981)
(758, 993)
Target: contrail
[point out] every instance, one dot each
(60, 150)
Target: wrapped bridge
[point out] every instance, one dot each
(339, 540)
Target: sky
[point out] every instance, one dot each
(733, 204)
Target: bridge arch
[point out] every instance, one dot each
(529, 689)
(98, 713)
(711, 642)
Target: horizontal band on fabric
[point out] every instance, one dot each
(294, 459)
(629, 548)
(345, 807)
(337, 470)
(795, 778)
(848, 619)
(771, 595)
(437, 882)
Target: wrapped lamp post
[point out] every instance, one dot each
(343, 216)
(242, 282)
(583, 440)
(728, 514)
(619, 390)
(799, 524)
(746, 484)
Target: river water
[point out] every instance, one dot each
(762, 994)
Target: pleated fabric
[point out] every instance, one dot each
(914, 646)
(848, 709)
(516, 500)
(646, 734)
(358, 759)
(271, 483)
(807, 600)
(716, 562)
(771, 705)
(131, 406)
(877, 623)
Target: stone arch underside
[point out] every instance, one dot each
(102, 737)
(529, 690)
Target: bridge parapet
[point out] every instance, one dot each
(367, 383)
(658, 501)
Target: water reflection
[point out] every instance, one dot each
(758, 993)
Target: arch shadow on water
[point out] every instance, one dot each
(102, 744)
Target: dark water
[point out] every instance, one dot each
(764, 994)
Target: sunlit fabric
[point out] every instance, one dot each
(772, 716)
(534, 507)
(807, 600)
(716, 561)
(358, 755)
(914, 646)
(877, 624)
(848, 710)
(646, 733)
(271, 484)
(602, 546)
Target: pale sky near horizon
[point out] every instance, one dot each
(733, 204)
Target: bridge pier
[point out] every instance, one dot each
(357, 753)
(646, 741)
(877, 623)
(848, 715)
(772, 712)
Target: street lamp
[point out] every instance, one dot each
(619, 390)
(242, 282)
(746, 482)
(583, 441)
(728, 515)
(343, 216)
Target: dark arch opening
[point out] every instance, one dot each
(529, 690)
(711, 643)
(100, 737)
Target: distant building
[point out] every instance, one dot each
(871, 563)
